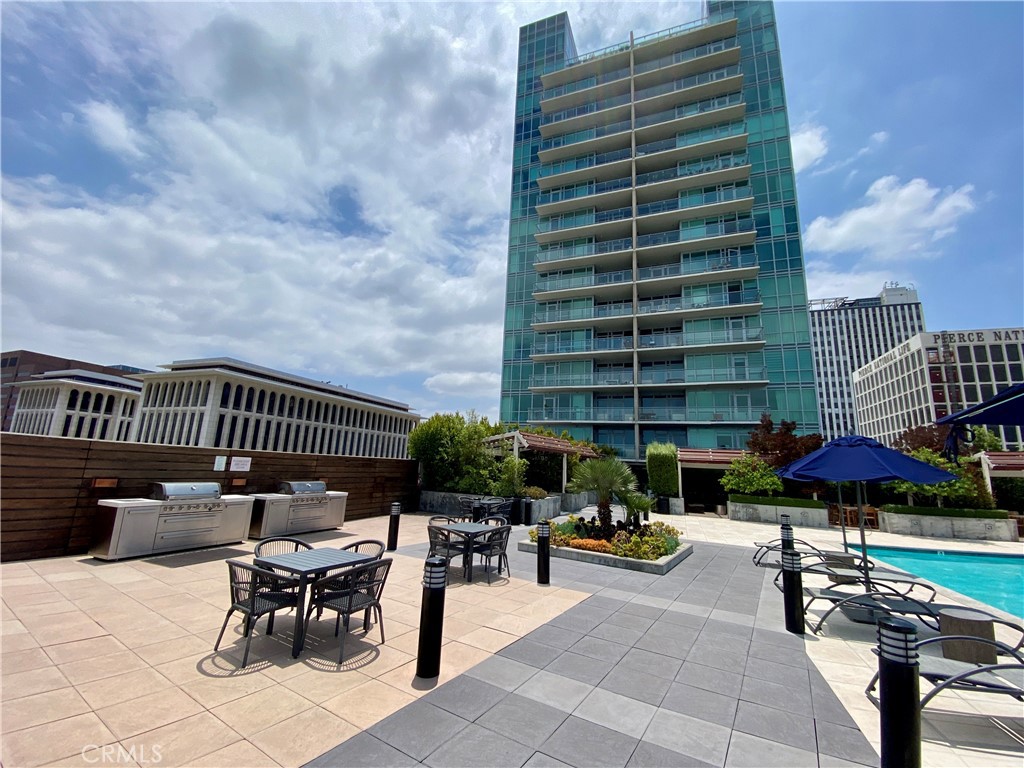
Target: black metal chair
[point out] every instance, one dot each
(494, 520)
(366, 547)
(372, 547)
(466, 504)
(279, 545)
(440, 520)
(495, 545)
(443, 545)
(257, 592)
(358, 589)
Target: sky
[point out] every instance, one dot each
(323, 188)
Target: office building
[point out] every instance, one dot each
(656, 286)
(934, 374)
(76, 403)
(849, 333)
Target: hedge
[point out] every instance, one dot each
(776, 501)
(988, 514)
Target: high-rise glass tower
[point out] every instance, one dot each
(656, 285)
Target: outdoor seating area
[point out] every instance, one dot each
(488, 538)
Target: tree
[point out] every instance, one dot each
(663, 469)
(450, 449)
(968, 490)
(637, 505)
(780, 448)
(932, 437)
(511, 477)
(752, 475)
(610, 479)
(985, 440)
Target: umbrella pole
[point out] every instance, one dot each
(842, 515)
(863, 540)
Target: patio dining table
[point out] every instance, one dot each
(307, 564)
(469, 533)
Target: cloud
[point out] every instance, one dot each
(110, 129)
(875, 141)
(463, 383)
(825, 281)
(810, 145)
(897, 221)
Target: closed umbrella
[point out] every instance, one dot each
(861, 459)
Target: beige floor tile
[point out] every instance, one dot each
(63, 628)
(23, 661)
(241, 754)
(13, 643)
(42, 708)
(262, 709)
(488, 639)
(369, 657)
(368, 703)
(514, 625)
(155, 710)
(299, 739)
(86, 670)
(192, 667)
(183, 742)
(457, 657)
(52, 741)
(91, 648)
(318, 685)
(108, 754)
(32, 682)
(114, 690)
(163, 630)
(46, 609)
(55, 578)
(12, 627)
(455, 628)
(172, 650)
(213, 691)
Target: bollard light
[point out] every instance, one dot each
(899, 693)
(428, 655)
(544, 552)
(792, 591)
(396, 517)
(787, 532)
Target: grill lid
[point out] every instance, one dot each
(293, 487)
(178, 491)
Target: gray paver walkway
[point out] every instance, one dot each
(693, 668)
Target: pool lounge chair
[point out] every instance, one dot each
(950, 675)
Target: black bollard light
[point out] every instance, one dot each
(899, 693)
(428, 654)
(544, 552)
(787, 532)
(396, 516)
(793, 591)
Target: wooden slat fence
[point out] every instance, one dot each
(48, 493)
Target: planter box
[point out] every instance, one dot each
(545, 509)
(660, 566)
(574, 502)
(438, 503)
(807, 517)
(676, 506)
(948, 527)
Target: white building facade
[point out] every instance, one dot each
(227, 403)
(76, 403)
(934, 374)
(847, 334)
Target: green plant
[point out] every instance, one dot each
(450, 449)
(965, 491)
(663, 469)
(511, 481)
(609, 478)
(535, 493)
(985, 440)
(592, 545)
(984, 514)
(778, 501)
(751, 474)
(637, 505)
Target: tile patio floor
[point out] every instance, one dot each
(112, 663)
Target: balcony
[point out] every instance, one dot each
(730, 232)
(666, 213)
(692, 138)
(729, 336)
(559, 286)
(582, 253)
(702, 86)
(552, 346)
(699, 268)
(691, 415)
(563, 198)
(708, 49)
(593, 414)
(679, 303)
(587, 82)
(704, 375)
(623, 378)
(616, 222)
(597, 312)
(600, 138)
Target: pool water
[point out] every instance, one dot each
(994, 579)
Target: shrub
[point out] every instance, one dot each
(643, 542)
(625, 544)
(450, 449)
(777, 501)
(511, 480)
(751, 474)
(592, 545)
(535, 493)
(663, 469)
(984, 514)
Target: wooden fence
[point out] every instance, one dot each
(50, 486)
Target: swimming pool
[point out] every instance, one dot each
(994, 579)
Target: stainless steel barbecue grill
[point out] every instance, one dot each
(298, 506)
(177, 515)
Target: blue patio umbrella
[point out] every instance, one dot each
(861, 459)
(1005, 407)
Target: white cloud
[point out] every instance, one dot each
(463, 383)
(875, 142)
(897, 221)
(825, 281)
(110, 129)
(810, 145)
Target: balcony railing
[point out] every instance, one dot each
(687, 55)
(677, 303)
(702, 375)
(720, 162)
(596, 312)
(571, 221)
(562, 282)
(688, 139)
(585, 109)
(589, 161)
(688, 82)
(696, 232)
(596, 379)
(695, 199)
(585, 135)
(583, 190)
(551, 345)
(587, 249)
(697, 266)
(688, 110)
(699, 338)
(581, 414)
(699, 414)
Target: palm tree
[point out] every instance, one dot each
(609, 478)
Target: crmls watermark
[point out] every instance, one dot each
(116, 754)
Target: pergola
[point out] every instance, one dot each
(527, 441)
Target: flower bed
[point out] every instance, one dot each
(649, 541)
